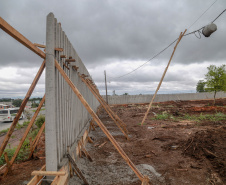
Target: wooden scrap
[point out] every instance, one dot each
(49, 173)
(89, 139)
(100, 146)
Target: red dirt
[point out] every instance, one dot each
(184, 152)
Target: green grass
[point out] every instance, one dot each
(40, 110)
(197, 118)
(4, 131)
(22, 155)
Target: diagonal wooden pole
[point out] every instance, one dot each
(25, 134)
(125, 134)
(13, 125)
(35, 142)
(149, 107)
(23, 40)
(98, 121)
(123, 125)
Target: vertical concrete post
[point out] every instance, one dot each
(50, 128)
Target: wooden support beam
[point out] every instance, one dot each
(7, 162)
(36, 179)
(15, 121)
(66, 66)
(79, 173)
(35, 142)
(62, 56)
(75, 68)
(59, 49)
(85, 152)
(159, 85)
(20, 38)
(49, 173)
(98, 121)
(70, 60)
(106, 109)
(39, 45)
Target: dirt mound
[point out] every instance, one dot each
(209, 144)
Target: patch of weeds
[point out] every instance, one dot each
(25, 123)
(13, 136)
(162, 116)
(39, 122)
(4, 131)
(22, 155)
(143, 124)
(19, 126)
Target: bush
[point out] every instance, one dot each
(39, 122)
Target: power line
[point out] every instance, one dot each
(202, 14)
(193, 32)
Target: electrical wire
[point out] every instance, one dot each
(202, 14)
(193, 32)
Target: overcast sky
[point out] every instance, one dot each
(116, 36)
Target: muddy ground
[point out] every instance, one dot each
(175, 150)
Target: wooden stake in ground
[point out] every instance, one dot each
(149, 107)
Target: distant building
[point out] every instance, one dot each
(3, 106)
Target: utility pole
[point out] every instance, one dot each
(106, 88)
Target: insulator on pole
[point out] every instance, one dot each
(209, 29)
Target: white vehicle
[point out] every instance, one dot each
(9, 114)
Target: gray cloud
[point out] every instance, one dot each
(106, 33)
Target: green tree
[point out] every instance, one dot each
(126, 94)
(200, 87)
(17, 102)
(216, 79)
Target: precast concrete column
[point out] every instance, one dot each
(50, 102)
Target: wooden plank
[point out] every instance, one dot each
(98, 121)
(70, 60)
(34, 144)
(59, 49)
(159, 85)
(20, 38)
(37, 178)
(62, 56)
(49, 173)
(39, 45)
(13, 125)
